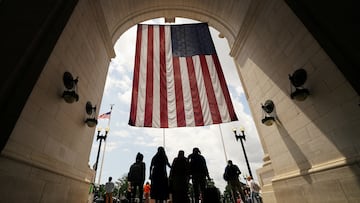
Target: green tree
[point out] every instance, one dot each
(122, 185)
(228, 194)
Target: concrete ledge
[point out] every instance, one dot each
(337, 163)
(29, 162)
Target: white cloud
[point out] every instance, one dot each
(121, 133)
(125, 97)
(239, 90)
(110, 146)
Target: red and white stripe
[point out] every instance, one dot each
(171, 91)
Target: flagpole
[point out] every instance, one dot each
(222, 140)
(103, 155)
(164, 138)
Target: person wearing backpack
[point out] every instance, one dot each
(136, 177)
(254, 190)
(231, 175)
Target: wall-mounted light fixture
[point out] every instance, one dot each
(268, 108)
(91, 121)
(297, 79)
(70, 93)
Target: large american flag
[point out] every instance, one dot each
(178, 80)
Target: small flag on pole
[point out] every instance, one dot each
(105, 115)
(178, 80)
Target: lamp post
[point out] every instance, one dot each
(100, 137)
(242, 137)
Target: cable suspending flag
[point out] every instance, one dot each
(178, 80)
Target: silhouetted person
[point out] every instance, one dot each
(231, 175)
(136, 177)
(109, 189)
(158, 176)
(179, 178)
(198, 173)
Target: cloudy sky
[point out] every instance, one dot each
(216, 142)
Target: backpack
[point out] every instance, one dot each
(256, 187)
(231, 173)
(226, 176)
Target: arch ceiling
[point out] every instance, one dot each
(225, 17)
(232, 18)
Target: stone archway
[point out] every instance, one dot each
(312, 151)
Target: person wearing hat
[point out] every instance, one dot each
(198, 172)
(231, 175)
(136, 177)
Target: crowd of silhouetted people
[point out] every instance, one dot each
(175, 186)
